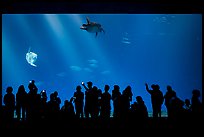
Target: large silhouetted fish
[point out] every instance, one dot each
(92, 27)
(31, 57)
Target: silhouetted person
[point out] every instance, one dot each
(53, 109)
(68, 113)
(21, 103)
(116, 97)
(9, 101)
(105, 103)
(88, 94)
(196, 107)
(79, 102)
(43, 104)
(32, 86)
(95, 95)
(33, 107)
(57, 99)
(138, 114)
(43, 94)
(187, 110)
(99, 101)
(177, 111)
(156, 99)
(187, 104)
(126, 98)
(142, 112)
(170, 93)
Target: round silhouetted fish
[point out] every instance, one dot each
(31, 58)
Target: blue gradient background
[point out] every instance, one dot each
(164, 49)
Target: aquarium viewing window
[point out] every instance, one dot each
(59, 51)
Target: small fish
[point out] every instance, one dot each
(126, 42)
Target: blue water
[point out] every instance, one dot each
(163, 49)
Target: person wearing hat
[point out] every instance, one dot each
(157, 99)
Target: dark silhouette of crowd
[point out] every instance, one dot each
(92, 108)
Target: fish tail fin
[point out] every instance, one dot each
(29, 49)
(88, 20)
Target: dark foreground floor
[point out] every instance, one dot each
(150, 123)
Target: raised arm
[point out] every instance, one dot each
(147, 88)
(84, 86)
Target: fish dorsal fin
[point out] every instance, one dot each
(88, 20)
(29, 49)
